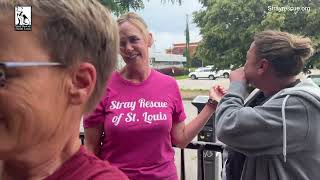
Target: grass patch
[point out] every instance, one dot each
(190, 94)
(181, 77)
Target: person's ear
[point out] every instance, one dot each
(263, 66)
(150, 39)
(83, 81)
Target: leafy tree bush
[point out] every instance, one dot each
(227, 26)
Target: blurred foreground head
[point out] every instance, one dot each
(53, 74)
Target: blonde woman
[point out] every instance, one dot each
(142, 113)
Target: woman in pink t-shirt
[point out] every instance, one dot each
(141, 114)
(50, 74)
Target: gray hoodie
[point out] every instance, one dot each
(280, 138)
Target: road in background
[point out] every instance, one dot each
(206, 84)
(202, 83)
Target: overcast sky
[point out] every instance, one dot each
(167, 22)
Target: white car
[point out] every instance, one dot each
(315, 78)
(208, 72)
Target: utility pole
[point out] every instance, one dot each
(187, 42)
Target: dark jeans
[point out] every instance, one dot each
(234, 165)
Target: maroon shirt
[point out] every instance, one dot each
(85, 166)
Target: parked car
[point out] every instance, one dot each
(208, 72)
(221, 73)
(315, 78)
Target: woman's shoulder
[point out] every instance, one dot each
(164, 77)
(114, 76)
(114, 79)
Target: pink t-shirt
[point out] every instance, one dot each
(137, 123)
(85, 166)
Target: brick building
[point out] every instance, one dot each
(179, 48)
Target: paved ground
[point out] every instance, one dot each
(191, 158)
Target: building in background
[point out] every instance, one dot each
(179, 48)
(162, 60)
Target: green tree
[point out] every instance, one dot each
(121, 6)
(227, 26)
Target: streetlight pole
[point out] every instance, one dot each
(187, 42)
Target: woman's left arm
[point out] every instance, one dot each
(183, 134)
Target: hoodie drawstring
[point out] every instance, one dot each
(284, 126)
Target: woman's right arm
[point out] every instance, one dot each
(93, 138)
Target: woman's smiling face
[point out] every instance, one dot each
(134, 44)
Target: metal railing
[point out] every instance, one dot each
(200, 146)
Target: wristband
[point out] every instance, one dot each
(212, 102)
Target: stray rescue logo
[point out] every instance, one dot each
(22, 18)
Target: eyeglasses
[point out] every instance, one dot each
(6, 65)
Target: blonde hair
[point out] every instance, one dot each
(286, 52)
(74, 31)
(135, 20)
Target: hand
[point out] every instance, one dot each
(217, 92)
(238, 75)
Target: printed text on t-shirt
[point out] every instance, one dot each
(132, 105)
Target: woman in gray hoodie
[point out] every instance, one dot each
(279, 137)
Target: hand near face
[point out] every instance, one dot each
(217, 92)
(238, 75)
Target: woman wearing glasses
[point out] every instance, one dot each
(142, 113)
(49, 77)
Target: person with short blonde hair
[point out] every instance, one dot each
(276, 127)
(49, 77)
(142, 113)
